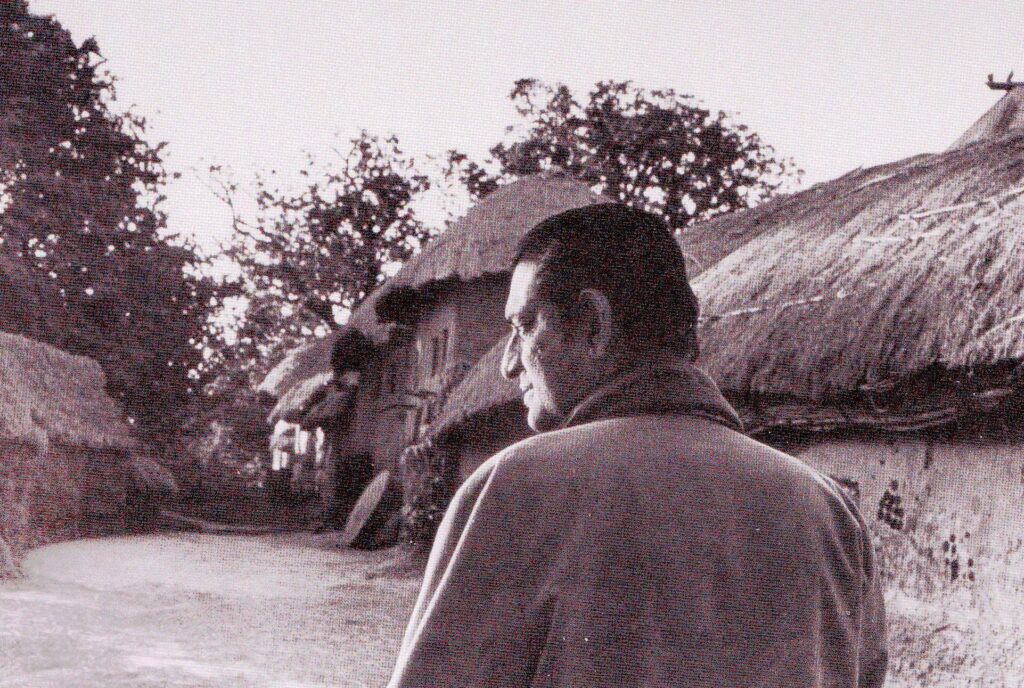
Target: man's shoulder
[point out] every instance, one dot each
(702, 448)
(526, 451)
(602, 444)
(541, 458)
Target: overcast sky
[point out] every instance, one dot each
(253, 84)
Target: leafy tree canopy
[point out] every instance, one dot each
(658, 150)
(80, 220)
(308, 256)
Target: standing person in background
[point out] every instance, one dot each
(639, 539)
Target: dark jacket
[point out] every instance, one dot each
(648, 543)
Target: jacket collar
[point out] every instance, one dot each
(660, 385)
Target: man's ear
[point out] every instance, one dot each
(596, 321)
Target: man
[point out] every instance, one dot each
(640, 539)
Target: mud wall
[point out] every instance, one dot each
(58, 492)
(947, 514)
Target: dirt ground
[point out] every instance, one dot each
(203, 610)
(293, 611)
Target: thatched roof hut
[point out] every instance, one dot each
(442, 311)
(49, 395)
(907, 273)
(481, 244)
(69, 464)
(879, 316)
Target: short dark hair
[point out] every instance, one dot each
(632, 258)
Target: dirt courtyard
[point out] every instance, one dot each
(202, 610)
(293, 611)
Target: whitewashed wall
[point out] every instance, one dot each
(948, 515)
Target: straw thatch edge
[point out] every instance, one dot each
(300, 398)
(48, 395)
(301, 363)
(844, 293)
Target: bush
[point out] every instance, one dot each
(429, 479)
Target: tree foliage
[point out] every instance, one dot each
(658, 150)
(308, 256)
(81, 225)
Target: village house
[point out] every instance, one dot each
(69, 464)
(310, 420)
(444, 310)
(875, 331)
(412, 340)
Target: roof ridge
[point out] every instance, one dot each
(1005, 116)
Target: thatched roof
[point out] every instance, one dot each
(874, 279)
(483, 388)
(1001, 120)
(49, 395)
(300, 397)
(364, 318)
(483, 242)
(300, 364)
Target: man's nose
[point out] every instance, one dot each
(510, 365)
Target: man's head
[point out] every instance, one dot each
(593, 290)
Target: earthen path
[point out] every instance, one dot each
(202, 610)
